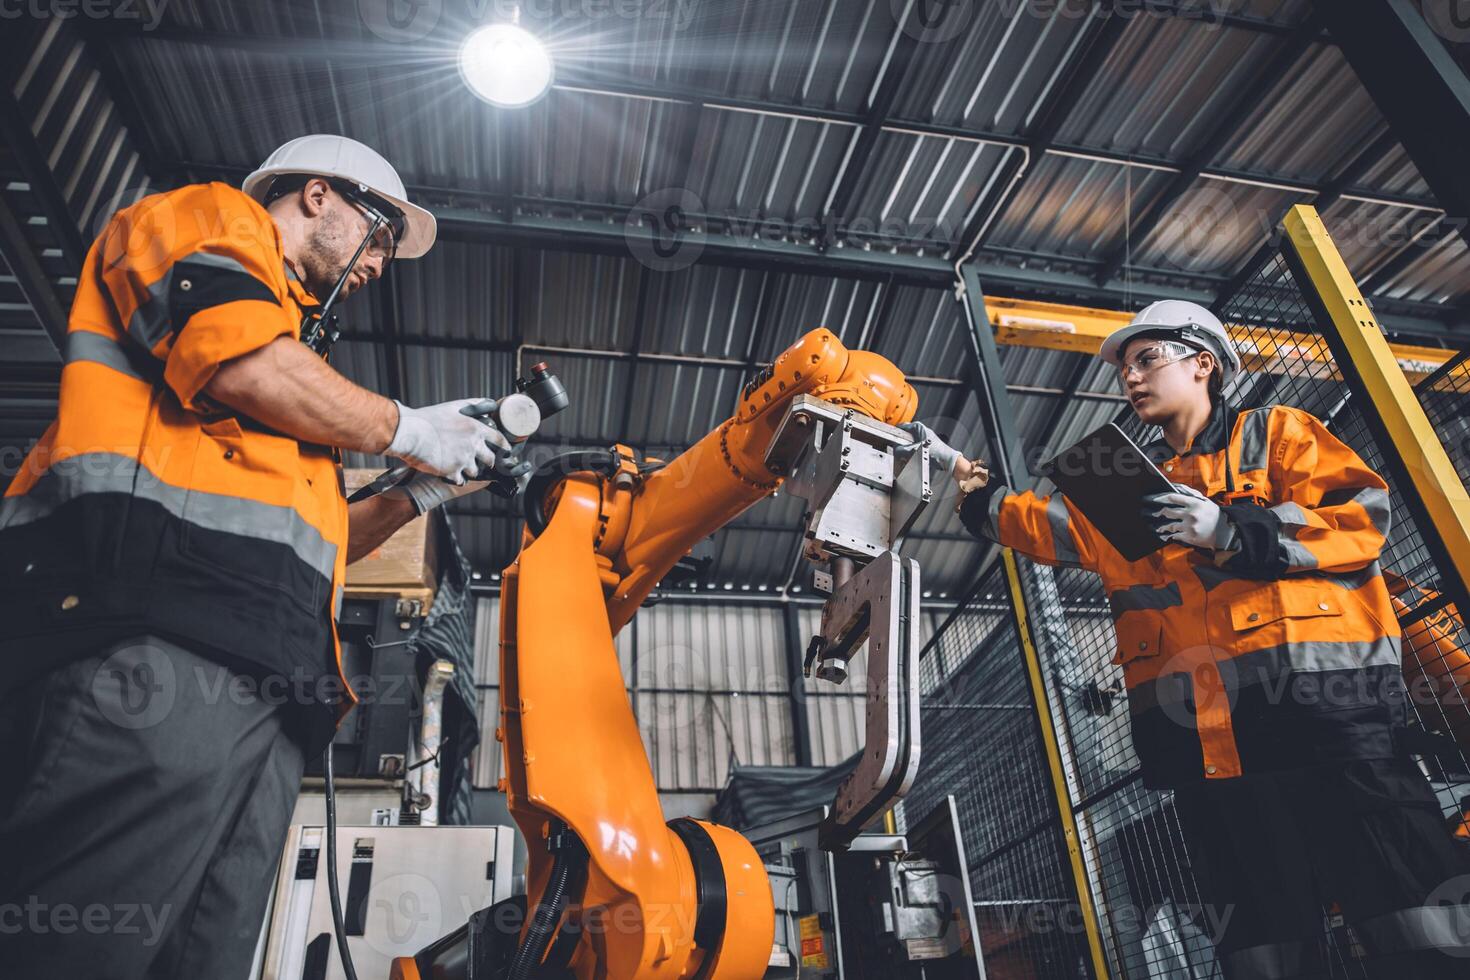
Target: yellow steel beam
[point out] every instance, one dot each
(1393, 400)
(1057, 326)
(1054, 763)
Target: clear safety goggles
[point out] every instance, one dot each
(388, 219)
(1159, 354)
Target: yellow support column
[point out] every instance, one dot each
(1058, 775)
(1361, 343)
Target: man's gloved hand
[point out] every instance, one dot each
(427, 491)
(448, 441)
(942, 456)
(1187, 516)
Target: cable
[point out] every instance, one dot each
(604, 461)
(332, 889)
(546, 920)
(793, 941)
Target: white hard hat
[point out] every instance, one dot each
(1191, 322)
(323, 155)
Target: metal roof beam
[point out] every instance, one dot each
(1074, 78)
(904, 46)
(35, 286)
(640, 317)
(1409, 254)
(1083, 363)
(609, 237)
(1416, 83)
(1331, 193)
(1228, 128)
(16, 135)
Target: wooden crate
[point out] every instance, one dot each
(405, 564)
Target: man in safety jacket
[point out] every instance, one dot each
(172, 553)
(1262, 659)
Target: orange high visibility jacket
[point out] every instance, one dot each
(1281, 652)
(144, 507)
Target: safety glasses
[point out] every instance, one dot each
(1150, 358)
(390, 220)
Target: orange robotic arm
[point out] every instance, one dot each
(652, 900)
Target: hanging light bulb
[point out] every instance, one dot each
(506, 65)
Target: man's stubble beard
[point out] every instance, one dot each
(327, 254)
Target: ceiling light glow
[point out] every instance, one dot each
(506, 65)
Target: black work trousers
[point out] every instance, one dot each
(144, 817)
(1272, 852)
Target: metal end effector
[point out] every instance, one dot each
(861, 501)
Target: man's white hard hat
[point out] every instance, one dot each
(323, 155)
(1191, 322)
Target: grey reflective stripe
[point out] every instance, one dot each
(1270, 664)
(1061, 530)
(337, 602)
(1211, 576)
(1291, 513)
(1372, 499)
(153, 320)
(87, 473)
(217, 261)
(1253, 439)
(1293, 519)
(1277, 961)
(1375, 502)
(1144, 597)
(1426, 927)
(150, 322)
(84, 345)
(1353, 581)
(1297, 556)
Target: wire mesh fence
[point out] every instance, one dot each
(982, 744)
(981, 740)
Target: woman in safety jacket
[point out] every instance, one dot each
(1263, 663)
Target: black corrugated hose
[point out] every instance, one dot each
(604, 461)
(545, 922)
(332, 890)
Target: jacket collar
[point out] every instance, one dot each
(1211, 439)
(297, 289)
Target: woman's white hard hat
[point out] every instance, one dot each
(1191, 322)
(323, 155)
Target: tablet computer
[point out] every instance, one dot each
(1107, 476)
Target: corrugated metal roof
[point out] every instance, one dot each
(1164, 84)
(756, 108)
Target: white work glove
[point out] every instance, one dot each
(426, 491)
(1187, 516)
(942, 456)
(445, 441)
